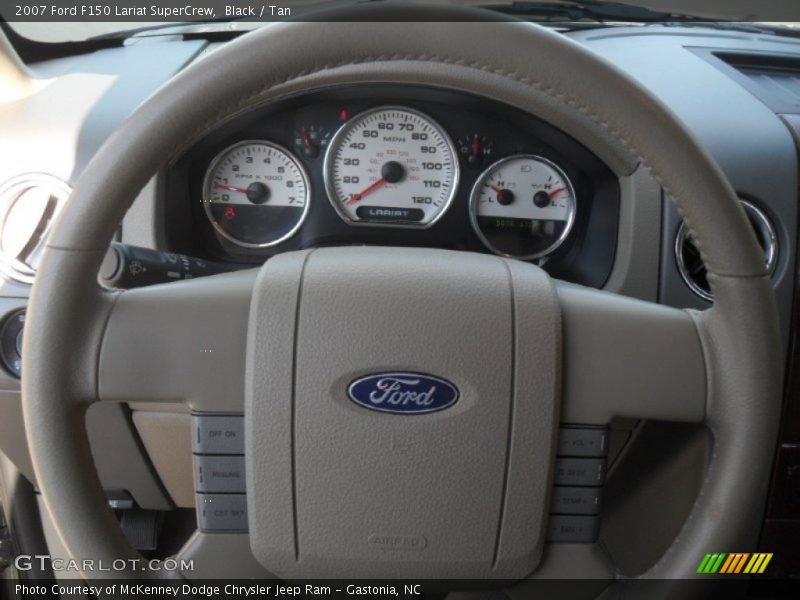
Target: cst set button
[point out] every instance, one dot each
(222, 512)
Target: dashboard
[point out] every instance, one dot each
(619, 231)
(391, 165)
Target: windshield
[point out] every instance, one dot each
(51, 23)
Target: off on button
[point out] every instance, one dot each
(218, 434)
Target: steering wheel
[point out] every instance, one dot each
(467, 487)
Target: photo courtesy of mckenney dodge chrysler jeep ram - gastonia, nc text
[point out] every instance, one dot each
(421, 299)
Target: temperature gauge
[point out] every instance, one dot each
(475, 149)
(523, 206)
(311, 141)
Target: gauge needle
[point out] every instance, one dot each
(371, 188)
(306, 137)
(230, 188)
(553, 194)
(494, 188)
(476, 145)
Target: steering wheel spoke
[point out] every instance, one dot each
(182, 341)
(628, 358)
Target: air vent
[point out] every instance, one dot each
(691, 266)
(28, 206)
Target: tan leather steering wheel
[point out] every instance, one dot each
(597, 355)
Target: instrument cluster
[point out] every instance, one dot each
(388, 165)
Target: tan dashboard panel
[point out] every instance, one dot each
(167, 437)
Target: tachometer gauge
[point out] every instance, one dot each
(391, 166)
(256, 194)
(523, 206)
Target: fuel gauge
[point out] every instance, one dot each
(523, 206)
(311, 141)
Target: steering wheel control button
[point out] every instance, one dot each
(218, 513)
(583, 441)
(577, 494)
(573, 529)
(216, 434)
(580, 471)
(576, 501)
(219, 473)
(11, 342)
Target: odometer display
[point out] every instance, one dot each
(391, 166)
(256, 194)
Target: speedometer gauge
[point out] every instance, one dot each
(523, 206)
(256, 194)
(391, 166)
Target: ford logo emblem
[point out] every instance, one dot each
(403, 393)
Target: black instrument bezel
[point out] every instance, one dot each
(586, 257)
